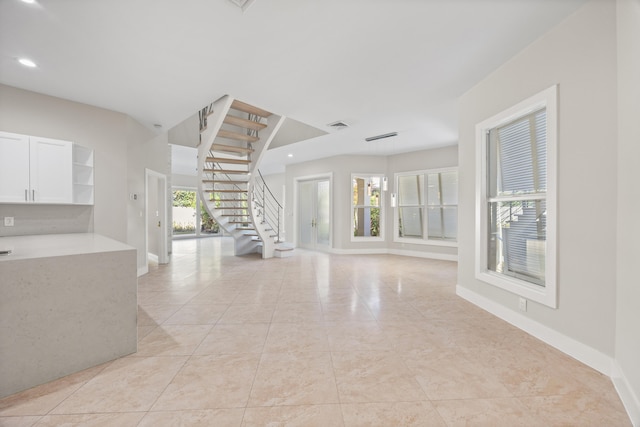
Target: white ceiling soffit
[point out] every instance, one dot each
(293, 131)
(378, 65)
(184, 160)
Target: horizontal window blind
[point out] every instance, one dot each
(517, 167)
(521, 156)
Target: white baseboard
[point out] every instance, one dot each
(630, 400)
(585, 354)
(419, 254)
(381, 251)
(401, 252)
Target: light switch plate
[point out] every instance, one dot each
(8, 221)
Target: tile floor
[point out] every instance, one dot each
(319, 340)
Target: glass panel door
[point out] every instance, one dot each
(314, 214)
(323, 211)
(306, 214)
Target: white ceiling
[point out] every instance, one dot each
(379, 65)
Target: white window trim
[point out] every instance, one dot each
(198, 217)
(546, 295)
(396, 228)
(382, 220)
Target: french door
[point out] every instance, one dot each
(314, 214)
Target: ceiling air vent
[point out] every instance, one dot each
(338, 125)
(385, 135)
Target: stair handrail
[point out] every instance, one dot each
(271, 209)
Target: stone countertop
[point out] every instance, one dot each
(53, 245)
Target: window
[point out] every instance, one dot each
(516, 210)
(366, 207)
(427, 210)
(186, 221)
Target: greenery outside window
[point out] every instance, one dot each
(366, 208)
(427, 207)
(516, 210)
(186, 220)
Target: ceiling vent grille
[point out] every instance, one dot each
(338, 125)
(385, 135)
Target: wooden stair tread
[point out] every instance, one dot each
(225, 191)
(211, 181)
(228, 171)
(250, 109)
(231, 148)
(237, 136)
(244, 123)
(223, 181)
(228, 161)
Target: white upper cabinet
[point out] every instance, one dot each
(14, 168)
(43, 170)
(50, 170)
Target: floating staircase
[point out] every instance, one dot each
(234, 136)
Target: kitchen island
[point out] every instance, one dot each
(67, 302)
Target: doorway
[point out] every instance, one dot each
(314, 213)
(156, 219)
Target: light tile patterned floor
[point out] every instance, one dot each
(319, 340)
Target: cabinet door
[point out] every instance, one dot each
(51, 169)
(14, 168)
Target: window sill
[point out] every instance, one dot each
(540, 294)
(446, 243)
(366, 239)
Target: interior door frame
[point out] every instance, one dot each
(163, 256)
(296, 219)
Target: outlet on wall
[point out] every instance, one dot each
(8, 221)
(522, 304)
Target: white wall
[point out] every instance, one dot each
(276, 183)
(122, 150)
(628, 299)
(579, 55)
(102, 130)
(184, 181)
(145, 150)
(341, 168)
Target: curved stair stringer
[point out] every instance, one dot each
(243, 243)
(264, 231)
(219, 154)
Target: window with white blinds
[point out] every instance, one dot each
(517, 196)
(427, 210)
(516, 201)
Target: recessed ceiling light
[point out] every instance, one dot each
(29, 1)
(27, 62)
(289, 155)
